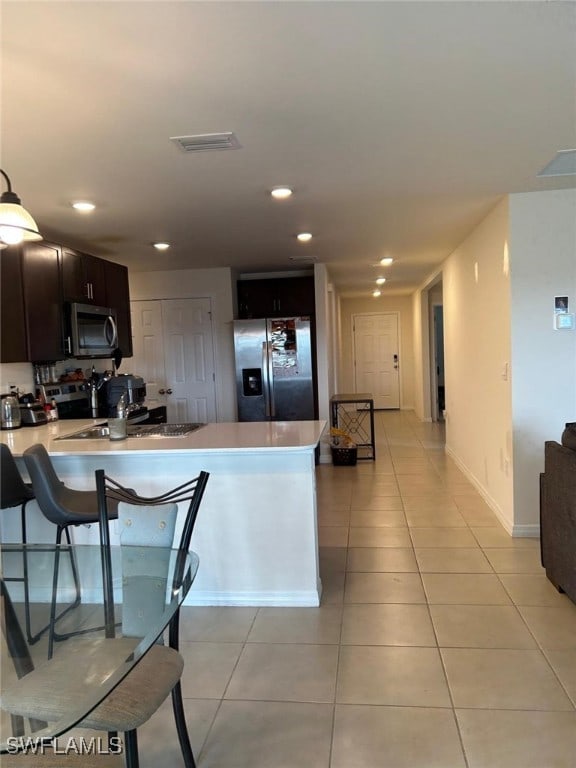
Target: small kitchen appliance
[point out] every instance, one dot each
(31, 411)
(91, 331)
(10, 412)
(132, 387)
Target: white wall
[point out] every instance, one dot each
(19, 374)
(323, 339)
(421, 345)
(217, 284)
(543, 265)
(476, 291)
(400, 304)
(498, 295)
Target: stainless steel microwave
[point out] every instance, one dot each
(91, 331)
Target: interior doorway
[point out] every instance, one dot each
(437, 379)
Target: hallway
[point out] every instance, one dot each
(439, 642)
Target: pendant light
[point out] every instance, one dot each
(16, 224)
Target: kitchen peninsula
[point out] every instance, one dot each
(256, 533)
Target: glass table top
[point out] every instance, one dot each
(92, 659)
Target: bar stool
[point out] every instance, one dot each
(64, 507)
(14, 492)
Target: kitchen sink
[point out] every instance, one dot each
(102, 431)
(90, 433)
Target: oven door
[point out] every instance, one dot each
(74, 409)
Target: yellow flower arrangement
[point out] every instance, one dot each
(341, 438)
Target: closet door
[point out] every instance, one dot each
(173, 352)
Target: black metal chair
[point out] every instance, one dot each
(41, 693)
(14, 492)
(64, 507)
(129, 504)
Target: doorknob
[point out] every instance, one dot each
(168, 391)
(164, 391)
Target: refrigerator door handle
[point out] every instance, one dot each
(266, 380)
(271, 382)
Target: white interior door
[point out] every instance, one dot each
(148, 349)
(173, 352)
(189, 359)
(376, 358)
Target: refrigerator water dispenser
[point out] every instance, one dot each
(252, 382)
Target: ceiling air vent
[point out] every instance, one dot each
(304, 259)
(206, 141)
(564, 164)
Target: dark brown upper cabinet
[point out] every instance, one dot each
(118, 297)
(83, 278)
(276, 297)
(13, 344)
(36, 281)
(43, 309)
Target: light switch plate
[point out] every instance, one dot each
(564, 321)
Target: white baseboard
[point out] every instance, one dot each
(526, 531)
(300, 599)
(304, 599)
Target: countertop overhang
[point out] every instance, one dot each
(229, 437)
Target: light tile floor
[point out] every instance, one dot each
(439, 642)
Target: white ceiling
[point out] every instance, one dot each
(398, 124)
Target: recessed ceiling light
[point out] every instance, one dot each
(161, 246)
(376, 294)
(386, 261)
(281, 193)
(83, 206)
(304, 237)
(380, 281)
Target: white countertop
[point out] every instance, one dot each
(229, 437)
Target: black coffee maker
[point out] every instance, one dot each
(112, 389)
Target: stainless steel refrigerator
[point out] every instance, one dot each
(274, 372)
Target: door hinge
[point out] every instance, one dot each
(214, 377)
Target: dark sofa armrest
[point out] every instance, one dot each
(558, 516)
